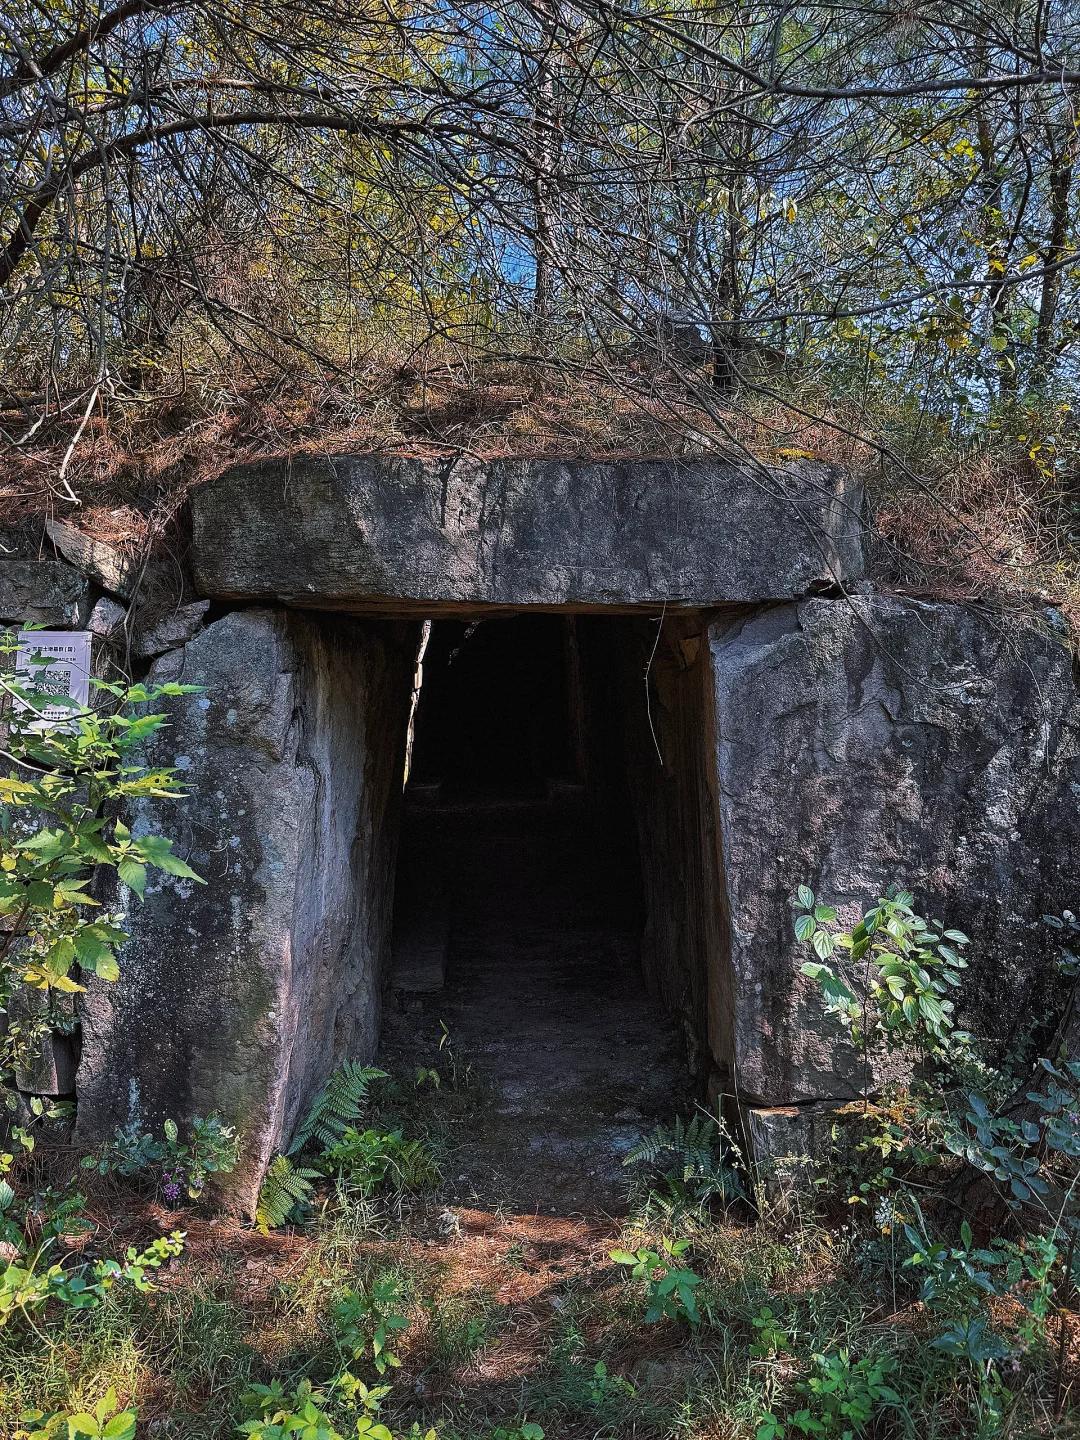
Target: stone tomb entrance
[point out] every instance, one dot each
(519, 911)
(570, 827)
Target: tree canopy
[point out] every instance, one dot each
(874, 198)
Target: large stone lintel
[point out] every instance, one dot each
(364, 533)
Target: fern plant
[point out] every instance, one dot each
(284, 1187)
(337, 1105)
(688, 1163)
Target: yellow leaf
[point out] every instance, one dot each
(43, 979)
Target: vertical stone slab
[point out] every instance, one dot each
(240, 995)
(878, 739)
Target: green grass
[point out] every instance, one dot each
(186, 1352)
(510, 1316)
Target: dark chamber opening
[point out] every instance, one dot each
(519, 912)
(493, 716)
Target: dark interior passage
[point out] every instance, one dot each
(493, 713)
(519, 918)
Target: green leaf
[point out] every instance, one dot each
(90, 948)
(106, 968)
(157, 850)
(823, 943)
(121, 1427)
(107, 932)
(49, 844)
(806, 897)
(173, 865)
(824, 914)
(931, 1010)
(804, 927)
(140, 729)
(815, 971)
(133, 875)
(61, 956)
(82, 1424)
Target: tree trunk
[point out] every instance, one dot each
(1060, 186)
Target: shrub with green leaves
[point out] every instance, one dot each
(30, 1223)
(770, 1337)
(337, 1105)
(842, 1398)
(26, 1284)
(606, 1390)
(285, 1191)
(307, 1413)
(686, 1165)
(366, 1161)
(178, 1166)
(368, 1320)
(1022, 1153)
(34, 1225)
(57, 824)
(670, 1288)
(909, 966)
(1027, 1154)
(363, 1161)
(108, 1422)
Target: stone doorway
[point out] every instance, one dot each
(797, 726)
(520, 914)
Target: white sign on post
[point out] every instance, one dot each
(67, 673)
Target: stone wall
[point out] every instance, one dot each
(43, 592)
(878, 739)
(242, 994)
(666, 728)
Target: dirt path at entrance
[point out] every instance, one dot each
(545, 1002)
